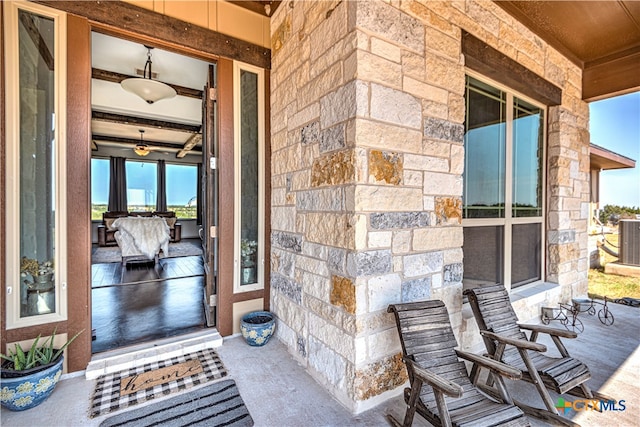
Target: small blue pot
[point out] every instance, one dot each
(25, 392)
(257, 327)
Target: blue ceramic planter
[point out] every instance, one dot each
(257, 327)
(30, 390)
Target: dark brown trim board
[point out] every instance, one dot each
(225, 196)
(184, 35)
(480, 57)
(78, 189)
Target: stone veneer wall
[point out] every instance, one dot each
(367, 161)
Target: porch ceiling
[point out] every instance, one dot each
(602, 37)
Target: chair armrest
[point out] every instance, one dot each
(486, 362)
(523, 344)
(549, 330)
(445, 386)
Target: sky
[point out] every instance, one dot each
(141, 177)
(615, 125)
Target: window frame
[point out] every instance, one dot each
(151, 162)
(508, 221)
(193, 165)
(260, 282)
(12, 187)
(91, 181)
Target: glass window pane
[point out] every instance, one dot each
(99, 187)
(483, 252)
(526, 248)
(37, 164)
(182, 189)
(527, 159)
(141, 186)
(249, 191)
(484, 143)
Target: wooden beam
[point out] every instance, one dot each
(111, 76)
(481, 57)
(194, 140)
(38, 41)
(149, 24)
(258, 6)
(141, 121)
(133, 141)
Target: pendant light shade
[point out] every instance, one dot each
(141, 149)
(146, 88)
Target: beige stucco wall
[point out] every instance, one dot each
(216, 15)
(367, 161)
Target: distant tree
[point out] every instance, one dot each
(614, 213)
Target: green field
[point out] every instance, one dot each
(183, 212)
(611, 285)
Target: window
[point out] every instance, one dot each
(503, 187)
(182, 190)
(142, 185)
(249, 182)
(99, 187)
(36, 255)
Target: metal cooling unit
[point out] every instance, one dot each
(629, 241)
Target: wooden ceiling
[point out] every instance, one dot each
(602, 37)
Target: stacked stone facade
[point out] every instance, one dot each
(367, 102)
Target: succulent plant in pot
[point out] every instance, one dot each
(27, 378)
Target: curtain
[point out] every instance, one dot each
(117, 184)
(161, 197)
(199, 198)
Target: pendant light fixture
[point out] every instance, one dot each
(146, 88)
(141, 149)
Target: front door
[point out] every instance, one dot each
(209, 206)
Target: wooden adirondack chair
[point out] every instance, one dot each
(441, 390)
(505, 341)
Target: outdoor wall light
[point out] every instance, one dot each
(146, 88)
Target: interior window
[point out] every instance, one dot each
(182, 190)
(142, 184)
(503, 187)
(99, 187)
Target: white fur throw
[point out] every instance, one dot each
(149, 235)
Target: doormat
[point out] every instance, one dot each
(148, 383)
(106, 254)
(218, 404)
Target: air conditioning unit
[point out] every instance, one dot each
(629, 241)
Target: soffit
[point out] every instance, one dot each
(602, 37)
(603, 159)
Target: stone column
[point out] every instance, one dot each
(367, 161)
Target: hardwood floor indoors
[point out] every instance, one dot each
(144, 302)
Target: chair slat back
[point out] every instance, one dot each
(493, 312)
(427, 338)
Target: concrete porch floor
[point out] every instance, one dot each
(278, 392)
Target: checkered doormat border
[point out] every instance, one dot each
(107, 398)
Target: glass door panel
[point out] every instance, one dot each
(249, 191)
